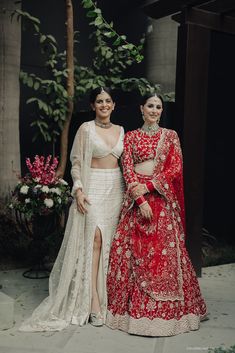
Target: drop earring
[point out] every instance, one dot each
(143, 117)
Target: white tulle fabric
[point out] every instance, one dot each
(69, 299)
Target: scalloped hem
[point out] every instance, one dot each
(156, 327)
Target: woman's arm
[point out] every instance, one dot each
(128, 169)
(76, 157)
(128, 161)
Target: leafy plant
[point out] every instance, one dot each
(40, 192)
(105, 29)
(113, 54)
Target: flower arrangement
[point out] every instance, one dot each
(40, 192)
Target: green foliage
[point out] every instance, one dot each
(31, 198)
(124, 49)
(51, 96)
(113, 54)
(222, 350)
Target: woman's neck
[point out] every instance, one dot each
(103, 123)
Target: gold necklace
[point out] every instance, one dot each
(103, 125)
(150, 129)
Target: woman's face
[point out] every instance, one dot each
(103, 105)
(152, 110)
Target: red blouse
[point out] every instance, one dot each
(138, 147)
(167, 178)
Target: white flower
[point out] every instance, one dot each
(59, 200)
(37, 186)
(24, 189)
(27, 200)
(49, 203)
(45, 189)
(36, 179)
(62, 181)
(56, 191)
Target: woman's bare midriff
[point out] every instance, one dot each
(145, 168)
(108, 162)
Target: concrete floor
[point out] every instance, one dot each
(218, 288)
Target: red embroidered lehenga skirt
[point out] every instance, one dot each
(152, 287)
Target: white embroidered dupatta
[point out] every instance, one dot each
(69, 285)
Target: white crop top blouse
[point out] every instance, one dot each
(101, 150)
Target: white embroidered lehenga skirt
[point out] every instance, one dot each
(69, 300)
(105, 198)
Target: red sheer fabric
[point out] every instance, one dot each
(152, 287)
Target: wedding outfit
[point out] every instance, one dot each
(69, 300)
(152, 286)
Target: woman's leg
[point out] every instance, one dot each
(95, 303)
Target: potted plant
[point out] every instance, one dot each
(39, 201)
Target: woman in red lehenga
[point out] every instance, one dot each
(152, 287)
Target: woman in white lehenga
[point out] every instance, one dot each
(77, 284)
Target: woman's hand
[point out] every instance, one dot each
(138, 190)
(81, 199)
(146, 211)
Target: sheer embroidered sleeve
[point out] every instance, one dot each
(76, 156)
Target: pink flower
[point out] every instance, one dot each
(41, 170)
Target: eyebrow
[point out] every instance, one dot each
(157, 104)
(101, 100)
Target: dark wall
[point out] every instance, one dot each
(219, 178)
